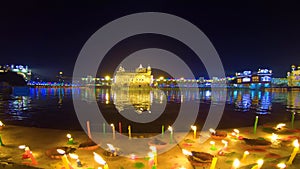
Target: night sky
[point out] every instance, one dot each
(49, 36)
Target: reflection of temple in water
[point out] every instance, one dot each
(140, 99)
(250, 100)
(293, 101)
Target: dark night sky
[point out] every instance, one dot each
(49, 36)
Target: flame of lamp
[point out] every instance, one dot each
(99, 159)
(236, 164)
(213, 131)
(280, 125)
(73, 156)
(186, 152)
(281, 165)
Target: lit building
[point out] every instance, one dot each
(261, 78)
(279, 82)
(19, 69)
(141, 77)
(293, 77)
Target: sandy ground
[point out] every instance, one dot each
(170, 157)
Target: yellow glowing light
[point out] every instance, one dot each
(69, 136)
(170, 129)
(274, 137)
(107, 78)
(60, 151)
(296, 143)
(236, 163)
(1, 124)
(246, 153)
(112, 125)
(236, 131)
(212, 142)
(280, 125)
(60, 73)
(281, 165)
(99, 159)
(213, 131)
(73, 156)
(22, 147)
(186, 152)
(194, 128)
(260, 163)
(161, 78)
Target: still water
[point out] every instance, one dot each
(53, 107)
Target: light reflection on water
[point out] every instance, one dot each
(45, 103)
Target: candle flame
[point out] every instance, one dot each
(1, 124)
(274, 137)
(213, 131)
(69, 136)
(22, 147)
(236, 163)
(280, 125)
(60, 151)
(111, 147)
(132, 156)
(246, 152)
(99, 159)
(212, 143)
(296, 143)
(236, 131)
(281, 165)
(186, 152)
(73, 156)
(194, 128)
(260, 162)
(112, 125)
(170, 128)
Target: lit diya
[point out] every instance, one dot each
(52, 153)
(88, 145)
(218, 135)
(111, 151)
(279, 128)
(198, 158)
(257, 143)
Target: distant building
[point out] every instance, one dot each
(141, 77)
(261, 78)
(19, 69)
(293, 77)
(279, 82)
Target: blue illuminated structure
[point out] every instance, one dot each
(254, 80)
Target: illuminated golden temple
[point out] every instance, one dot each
(140, 78)
(294, 77)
